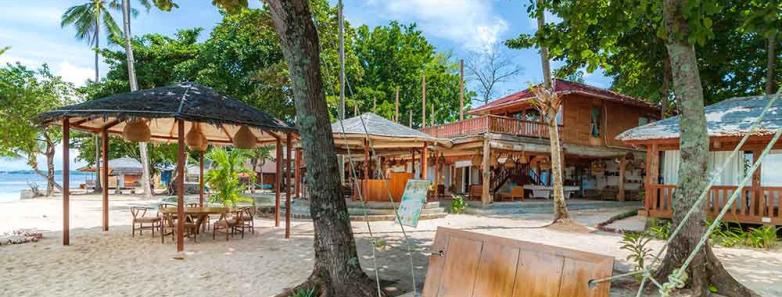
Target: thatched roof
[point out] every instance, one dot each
(732, 117)
(382, 132)
(161, 106)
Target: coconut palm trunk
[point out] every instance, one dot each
(142, 146)
(95, 138)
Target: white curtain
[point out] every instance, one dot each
(731, 175)
(770, 173)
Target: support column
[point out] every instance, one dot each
(436, 176)
(297, 171)
(486, 173)
(652, 173)
(180, 187)
(620, 194)
(424, 157)
(288, 187)
(412, 163)
(277, 180)
(757, 192)
(66, 182)
(201, 179)
(104, 135)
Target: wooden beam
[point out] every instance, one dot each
(620, 194)
(437, 165)
(66, 182)
(288, 187)
(105, 177)
(225, 131)
(201, 179)
(486, 173)
(111, 124)
(424, 160)
(180, 184)
(277, 180)
(367, 175)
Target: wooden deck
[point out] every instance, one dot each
(753, 206)
(490, 124)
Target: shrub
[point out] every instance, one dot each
(660, 229)
(764, 237)
(458, 204)
(635, 243)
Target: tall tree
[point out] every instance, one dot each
(86, 19)
(764, 17)
(685, 23)
(26, 93)
(549, 103)
(490, 67)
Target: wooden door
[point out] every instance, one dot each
(477, 265)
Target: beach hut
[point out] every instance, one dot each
(371, 134)
(185, 113)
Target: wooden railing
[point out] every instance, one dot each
(752, 206)
(490, 124)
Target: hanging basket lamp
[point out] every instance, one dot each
(195, 138)
(244, 138)
(136, 130)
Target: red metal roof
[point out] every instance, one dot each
(561, 87)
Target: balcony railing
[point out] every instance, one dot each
(490, 124)
(752, 206)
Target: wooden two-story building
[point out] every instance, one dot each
(502, 151)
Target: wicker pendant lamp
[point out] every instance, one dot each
(195, 138)
(244, 138)
(136, 130)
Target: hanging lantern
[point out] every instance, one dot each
(195, 138)
(204, 144)
(244, 138)
(136, 130)
(523, 159)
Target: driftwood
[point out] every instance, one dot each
(20, 236)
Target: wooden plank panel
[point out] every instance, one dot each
(496, 275)
(436, 262)
(576, 275)
(460, 268)
(538, 275)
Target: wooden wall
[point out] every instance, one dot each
(616, 118)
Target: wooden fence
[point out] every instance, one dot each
(490, 124)
(752, 206)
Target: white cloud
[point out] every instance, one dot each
(471, 23)
(76, 74)
(33, 16)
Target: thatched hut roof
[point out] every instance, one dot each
(161, 106)
(731, 117)
(383, 133)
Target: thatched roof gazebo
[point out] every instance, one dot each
(186, 113)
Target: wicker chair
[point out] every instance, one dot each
(244, 220)
(168, 227)
(140, 220)
(226, 223)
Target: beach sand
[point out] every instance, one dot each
(113, 263)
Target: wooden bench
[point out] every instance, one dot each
(472, 264)
(515, 192)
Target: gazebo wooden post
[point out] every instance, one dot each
(105, 176)
(180, 191)
(201, 179)
(424, 156)
(436, 175)
(297, 172)
(66, 183)
(288, 187)
(367, 175)
(412, 162)
(277, 180)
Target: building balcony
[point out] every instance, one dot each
(490, 124)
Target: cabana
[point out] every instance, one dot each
(164, 115)
(727, 122)
(396, 145)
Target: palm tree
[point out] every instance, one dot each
(224, 177)
(86, 19)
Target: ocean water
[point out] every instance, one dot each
(13, 182)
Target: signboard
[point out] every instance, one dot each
(413, 201)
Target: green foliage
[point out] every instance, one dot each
(458, 204)
(727, 236)
(635, 243)
(626, 39)
(224, 177)
(762, 237)
(660, 229)
(304, 292)
(86, 19)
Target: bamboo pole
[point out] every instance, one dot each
(277, 181)
(461, 90)
(105, 176)
(180, 191)
(288, 186)
(66, 182)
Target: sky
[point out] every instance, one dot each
(33, 33)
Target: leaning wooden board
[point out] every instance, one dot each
(471, 264)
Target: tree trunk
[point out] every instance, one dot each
(98, 185)
(665, 91)
(49, 152)
(771, 64)
(337, 270)
(142, 146)
(705, 269)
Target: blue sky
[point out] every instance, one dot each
(460, 26)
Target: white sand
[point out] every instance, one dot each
(115, 264)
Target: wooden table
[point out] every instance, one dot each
(200, 213)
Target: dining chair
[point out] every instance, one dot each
(245, 220)
(139, 220)
(225, 224)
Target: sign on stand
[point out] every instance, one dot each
(413, 201)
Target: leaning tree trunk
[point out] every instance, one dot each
(771, 64)
(49, 152)
(142, 146)
(705, 269)
(337, 270)
(95, 138)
